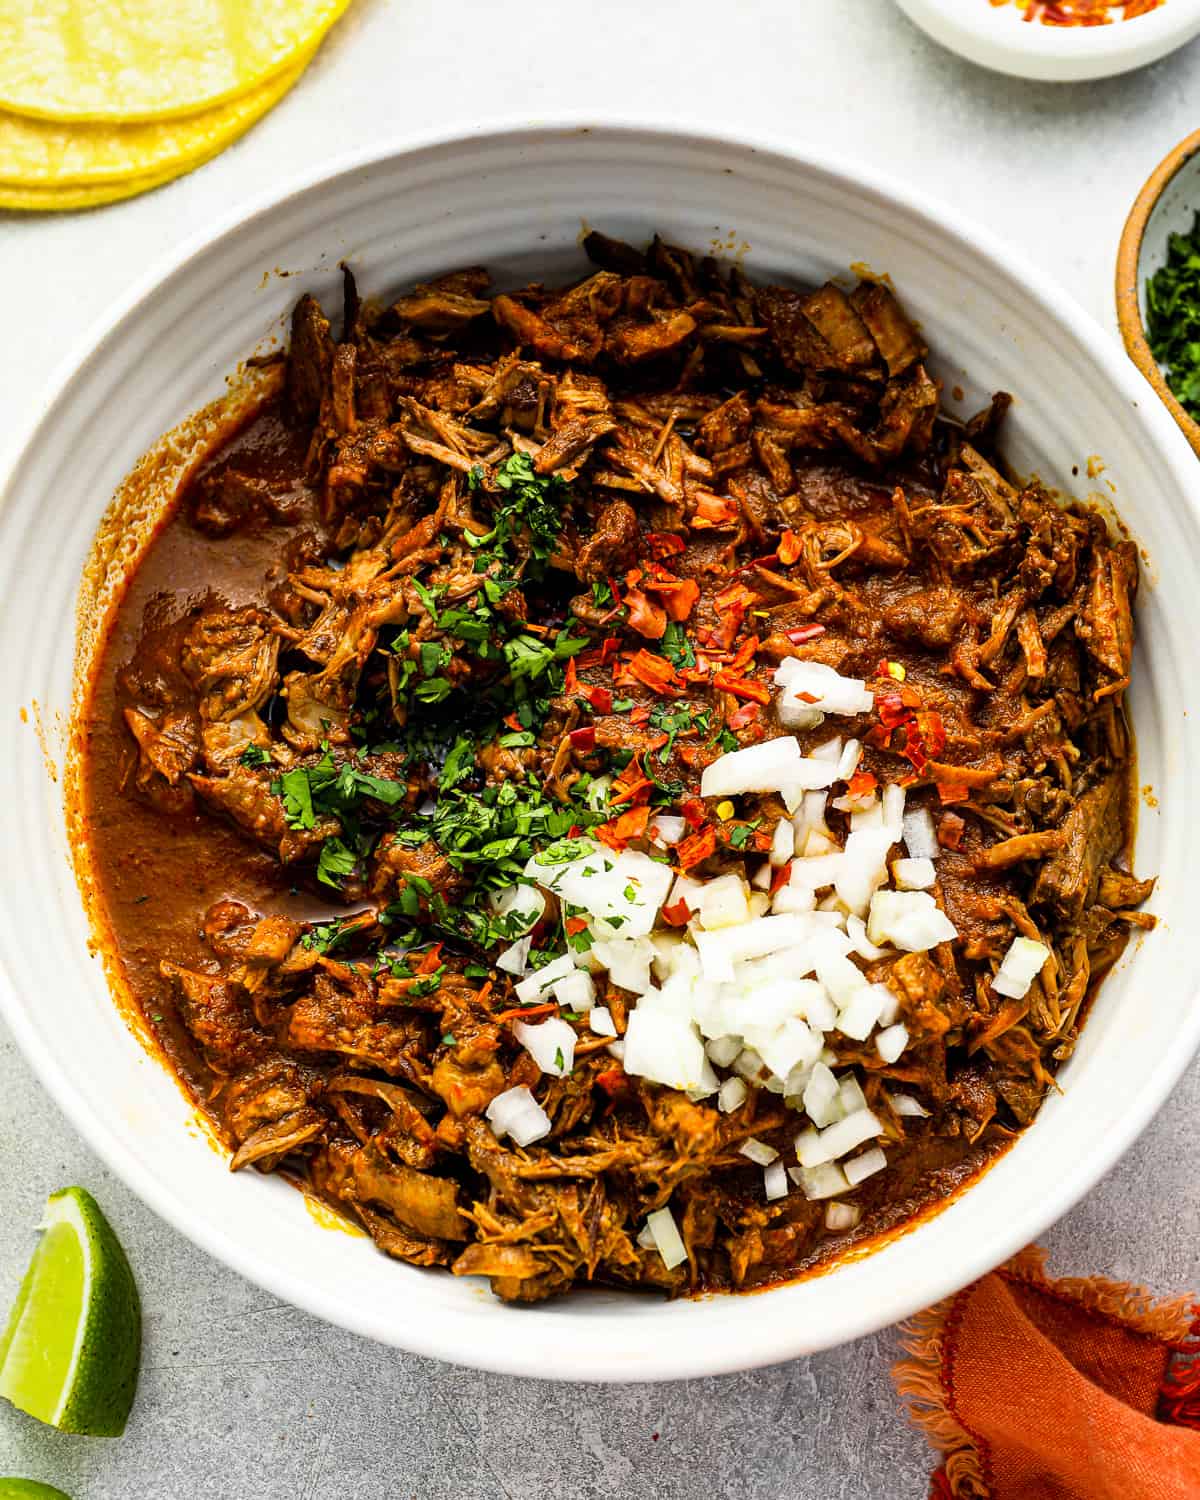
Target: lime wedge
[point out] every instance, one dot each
(69, 1355)
(29, 1489)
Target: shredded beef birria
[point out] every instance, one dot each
(486, 590)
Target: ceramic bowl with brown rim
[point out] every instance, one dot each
(1167, 205)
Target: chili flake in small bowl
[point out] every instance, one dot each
(1058, 40)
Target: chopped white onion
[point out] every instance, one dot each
(523, 905)
(664, 1048)
(517, 1113)
(860, 943)
(763, 876)
(850, 757)
(731, 1095)
(890, 1005)
(821, 1102)
(829, 691)
(920, 836)
(914, 874)
(771, 766)
(824, 1181)
(856, 1019)
(814, 1148)
(723, 903)
(719, 951)
(912, 920)
(627, 960)
(863, 868)
(783, 843)
(758, 1152)
(775, 1181)
(542, 981)
(893, 810)
(600, 1019)
(723, 1050)
(551, 1044)
(515, 958)
(891, 1042)
(842, 1216)
(1020, 967)
(831, 750)
(850, 1094)
(667, 1239)
(576, 992)
(906, 1105)
(667, 828)
(748, 1065)
(864, 1166)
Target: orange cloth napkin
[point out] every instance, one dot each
(1033, 1389)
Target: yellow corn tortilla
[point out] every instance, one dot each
(124, 60)
(54, 154)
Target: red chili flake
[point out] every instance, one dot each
(611, 645)
(743, 716)
(633, 577)
(892, 710)
(600, 698)
(583, 739)
(664, 543)
(953, 791)
(640, 714)
(655, 672)
(613, 1081)
(678, 914)
(514, 724)
(734, 596)
(744, 655)
(950, 830)
(913, 751)
(743, 687)
(696, 847)
(932, 731)
(713, 512)
(571, 676)
(780, 877)
(646, 617)
(878, 737)
(430, 959)
(861, 784)
(789, 548)
(679, 595)
(631, 785)
(804, 633)
(575, 925)
(694, 812)
(630, 825)
(614, 590)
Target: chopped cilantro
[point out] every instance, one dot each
(255, 755)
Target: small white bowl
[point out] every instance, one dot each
(515, 199)
(995, 36)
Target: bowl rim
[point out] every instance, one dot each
(1128, 281)
(780, 1341)
(993, 23)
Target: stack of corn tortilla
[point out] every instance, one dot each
(101, 99)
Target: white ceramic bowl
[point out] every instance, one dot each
(996, 37)
(516, 200)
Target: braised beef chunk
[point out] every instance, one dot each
(495, 579)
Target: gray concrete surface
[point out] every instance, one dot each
(244, 1399)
